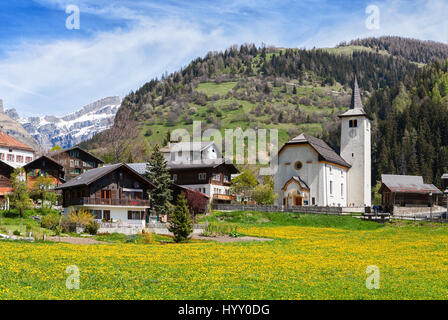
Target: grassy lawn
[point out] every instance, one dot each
(311, 257)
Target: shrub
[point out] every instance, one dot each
(92, 228)
(221, 229)
(16, 233)
(148, 237)
(82, 217)
(50, 221)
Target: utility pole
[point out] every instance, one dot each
(430, 205)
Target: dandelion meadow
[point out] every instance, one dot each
(302, 262)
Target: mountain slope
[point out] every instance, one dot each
(74, 128)
(15, 129)
(292, 90)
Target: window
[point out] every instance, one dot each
(19, 159)
(331, 187)
(342, 190)
(72, 163)
(2, 156)
(226, 178)
(174, 177)
(98, 214)
(202, 176)
(77, 163)
(28, 159)
(135, 215)
(298, 165)
(216, 177)
(331, 169)
(313, 201)
(353, 123)
(10, 157)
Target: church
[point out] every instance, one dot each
(311, 173)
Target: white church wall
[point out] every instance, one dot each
(286, 170)
(336, 186)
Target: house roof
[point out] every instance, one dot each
(46, 159)
(10, 142)
(139, 167)
(93, 175)
(356, 107)
(186, 146)
(407, 184)
(53, 153)
(182, 188)
(325, 152)
(206, 163)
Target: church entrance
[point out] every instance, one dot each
(298, 201)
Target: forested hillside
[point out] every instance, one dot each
(412, 126)
(295, 91)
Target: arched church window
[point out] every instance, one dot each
(298, 165)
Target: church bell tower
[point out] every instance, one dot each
(356, 150)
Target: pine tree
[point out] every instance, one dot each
(181, 224)
(159, 175)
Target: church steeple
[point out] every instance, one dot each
(356, 107)
(356, 97)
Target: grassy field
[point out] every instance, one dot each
(311, 257)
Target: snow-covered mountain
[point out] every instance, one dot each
(72, 129)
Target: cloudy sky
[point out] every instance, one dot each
(46, 68)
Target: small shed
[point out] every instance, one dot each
(407, 191)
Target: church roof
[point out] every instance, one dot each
(356, 107)
(325, 152)
(299, 181)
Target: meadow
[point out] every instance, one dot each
(310, 257)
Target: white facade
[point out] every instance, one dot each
(117, 213)
(356, 150)
(185, 152)
(326, 183)
(209, 189)
(16, 157)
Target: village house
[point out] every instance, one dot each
(112, 193)
(44, 167)
(199, 199)
(5, 184)
(311, 173)
(14, 152)
(200, 166)
(75, 161)
(408, 195)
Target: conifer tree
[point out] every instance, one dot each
(181, 224)
(159, 175)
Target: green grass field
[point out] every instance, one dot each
(311, 257)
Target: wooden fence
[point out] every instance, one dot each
(301, 209)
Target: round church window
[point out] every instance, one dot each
(298, 165)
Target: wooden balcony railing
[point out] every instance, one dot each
(109, 202)
(224, 197)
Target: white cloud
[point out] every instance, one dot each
(69, 74)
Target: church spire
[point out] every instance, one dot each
(356, 96)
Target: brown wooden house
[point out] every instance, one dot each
(113, 192)
(44, 167)
(210, 177)
(75, 161)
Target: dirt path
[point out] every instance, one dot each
(75, 240)
(230, 239)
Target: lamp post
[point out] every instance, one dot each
(430, 205)
(446, 194)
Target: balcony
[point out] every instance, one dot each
(108, 202)
(224, 197)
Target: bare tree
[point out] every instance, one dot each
(122, 135)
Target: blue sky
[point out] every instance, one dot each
(47, 69)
